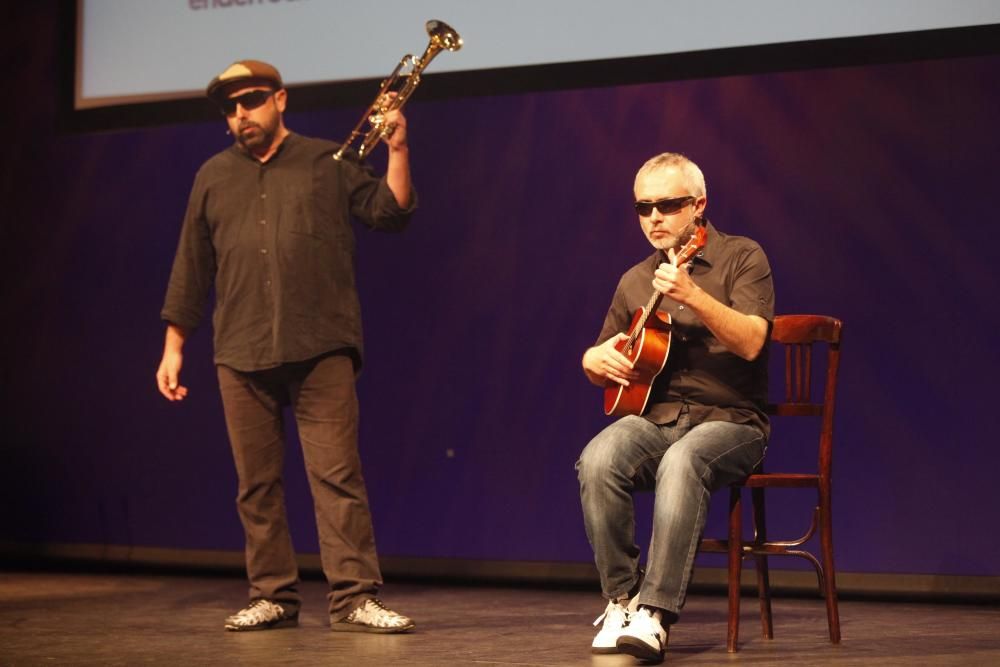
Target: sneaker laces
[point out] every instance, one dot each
(614, 613)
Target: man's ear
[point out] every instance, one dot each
(699, 206)
(281, 99)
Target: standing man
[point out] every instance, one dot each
(704, 426)
(268, 223)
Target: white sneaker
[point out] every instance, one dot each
(644, 638)
(615, 619)
(373, 616)
(261, 615)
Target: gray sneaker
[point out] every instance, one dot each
(261, 615)
(373, 616)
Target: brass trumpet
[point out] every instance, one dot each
(442, 36)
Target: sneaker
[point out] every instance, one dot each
(615, 617)
(372, 616)
(261, 615)
(644, 638)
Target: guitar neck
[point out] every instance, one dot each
(651, 306)
(695, 243)
(653, 303)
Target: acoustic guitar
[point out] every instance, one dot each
(647, 345)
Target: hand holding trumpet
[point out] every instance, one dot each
(397, 88)
(395, 126)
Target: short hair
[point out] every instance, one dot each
(692, 173)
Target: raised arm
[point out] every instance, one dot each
(743, 335)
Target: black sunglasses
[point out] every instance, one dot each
(664, 206)
(248, 101)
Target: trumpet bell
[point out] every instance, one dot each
(444, 35)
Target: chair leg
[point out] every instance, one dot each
(763, 574)
(735, 567)
(829, 573)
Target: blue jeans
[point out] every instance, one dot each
(683, 464)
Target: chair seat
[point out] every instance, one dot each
(785, 480)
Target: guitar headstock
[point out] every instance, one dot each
(694, 244)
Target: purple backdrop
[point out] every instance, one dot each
(868, 187)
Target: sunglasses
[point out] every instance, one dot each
(664, 206)
(248, 101)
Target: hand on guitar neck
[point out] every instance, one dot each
(674, 281)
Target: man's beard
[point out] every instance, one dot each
(255, 139)
(675, 241)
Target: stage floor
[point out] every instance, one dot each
(132, 619)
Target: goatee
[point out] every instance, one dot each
(675, 241)
(251, 135)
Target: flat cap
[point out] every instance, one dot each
(244, 72)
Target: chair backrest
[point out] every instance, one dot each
(798, 334)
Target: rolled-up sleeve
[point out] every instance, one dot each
(753, 288)
(194, 265)
(372, 201)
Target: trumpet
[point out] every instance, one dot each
(442, 37)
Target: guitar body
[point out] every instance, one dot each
(648, 356)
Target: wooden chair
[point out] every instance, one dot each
(798, 335)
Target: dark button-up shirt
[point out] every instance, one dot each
(276, 241)
(701, 373)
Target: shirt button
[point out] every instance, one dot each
(263, 222)
(267, 283)
(263, 251)
(263, 195)
(680, 307)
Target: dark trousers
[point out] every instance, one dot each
(322, 396)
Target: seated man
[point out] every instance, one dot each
(704, 424)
